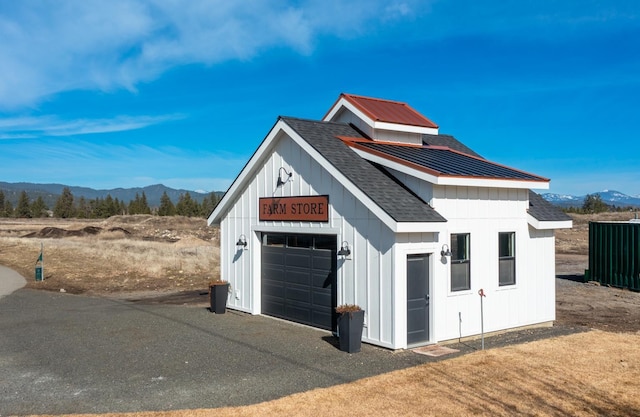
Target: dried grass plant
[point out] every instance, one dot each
(112, 261)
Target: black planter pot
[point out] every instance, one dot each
(218, 297)
(350, 331)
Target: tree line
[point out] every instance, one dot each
(68, 206)
(593, 203)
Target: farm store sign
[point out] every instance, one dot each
(312, 208)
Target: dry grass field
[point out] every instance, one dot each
(594, 373)
(139, 254)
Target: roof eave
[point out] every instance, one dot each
(548, 225)
(420, 227)
(405, 128)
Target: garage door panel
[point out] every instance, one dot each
(271, 289)
(275, 306)
(322, 280)
(321, 298)
(272, 274)
(302, 259)
(322, 261)
(298, 284)
(298, 313)
(300, 294)
(273, 256)
(322, 319)
(298, 276)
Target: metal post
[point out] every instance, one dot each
(482, 295)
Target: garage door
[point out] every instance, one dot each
(299, 278)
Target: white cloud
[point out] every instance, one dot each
(33, 127)
(50, 47)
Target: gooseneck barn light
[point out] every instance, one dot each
(345, 250)
(242, 242)
(284, 177)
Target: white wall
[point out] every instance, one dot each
(345, 116)
(364, 279)
(484, 212)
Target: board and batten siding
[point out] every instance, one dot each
(484, 213)
(366, 278)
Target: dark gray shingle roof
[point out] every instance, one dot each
(544, 211)
(448, 141)
(393, 197)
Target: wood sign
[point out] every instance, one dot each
(311, 208)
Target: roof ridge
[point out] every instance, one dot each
(302, 119)
(375, 99)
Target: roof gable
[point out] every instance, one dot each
(380, 116)
(398, 207)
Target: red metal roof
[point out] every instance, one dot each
(389, 111)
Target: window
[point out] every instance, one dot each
(460, 264)
(507, 258)
(300, 241)
(274, 240)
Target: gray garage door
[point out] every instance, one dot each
(299, 278)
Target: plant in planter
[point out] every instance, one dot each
(218, 293)
(350, 323)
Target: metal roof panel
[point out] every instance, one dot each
(389, 111)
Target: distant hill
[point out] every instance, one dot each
(610, 197)
(51, 192)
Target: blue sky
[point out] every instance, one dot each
(134, 93)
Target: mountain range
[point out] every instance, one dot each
(610, 197)
(51, 192)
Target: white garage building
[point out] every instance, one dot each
(372, 206)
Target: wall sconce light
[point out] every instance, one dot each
(345, 250)
(242, 242)
(445, 250)
(284, 177)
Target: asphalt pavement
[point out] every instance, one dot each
(62, 353)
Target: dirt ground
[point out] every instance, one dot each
(170, 260)
(123, 256)
(584, 374)
(589, 304)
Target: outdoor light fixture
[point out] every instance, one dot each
(242, 241)
(345, 250)
(284, 176)
(445, 250)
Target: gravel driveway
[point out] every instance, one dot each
(61, 353)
